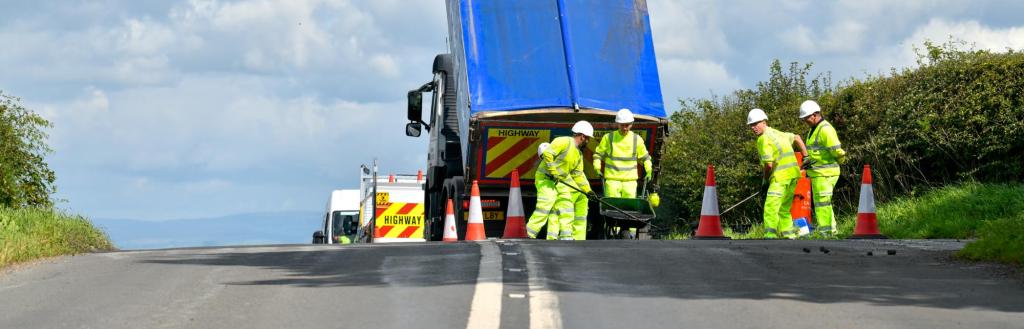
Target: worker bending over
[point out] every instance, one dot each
(781, 171)
(544, 213)
(563, 161)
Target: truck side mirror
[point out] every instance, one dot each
(412, 129)
(318, 237)
(415, 106)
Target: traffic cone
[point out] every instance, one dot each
(867, 222)
(515, 220)
(710, 227)
(450, 234)
(475, 229)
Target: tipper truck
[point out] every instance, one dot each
(520, 73)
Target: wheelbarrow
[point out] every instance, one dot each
(622, 214)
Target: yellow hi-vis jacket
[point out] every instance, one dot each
(620, 154)
(564, 162)
(824, 148)
(777, 146)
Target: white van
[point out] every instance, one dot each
(341, 219)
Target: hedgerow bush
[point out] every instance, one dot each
(957, 116)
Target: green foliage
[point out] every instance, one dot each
(999, 240)
(957, 117)
(714, 131)
(25, 178)
(31, 233)
(950, 212)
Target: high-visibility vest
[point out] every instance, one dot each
(620, 155)
(564, 162)
(824, 148)
(777, 146)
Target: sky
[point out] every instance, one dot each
(204, 108)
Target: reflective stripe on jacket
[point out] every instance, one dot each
(823, 146)
(620, 155)
(564, 161)
(775, 146)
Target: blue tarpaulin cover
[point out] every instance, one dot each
(527, 54)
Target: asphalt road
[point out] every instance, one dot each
(520, 284)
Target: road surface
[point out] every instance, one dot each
(519, 284)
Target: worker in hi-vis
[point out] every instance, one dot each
(544, 213)
(781, 172)
(563, 161)
(825, 154)
(620, 151)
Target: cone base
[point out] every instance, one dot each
(867, 236)
(710, 238)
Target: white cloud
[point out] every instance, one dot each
(700, 78)
(845, 36)
(972, 32)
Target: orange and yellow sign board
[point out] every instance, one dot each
(400, 220)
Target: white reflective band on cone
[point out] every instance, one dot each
(710, 205)
(867, 199)
(515, 208)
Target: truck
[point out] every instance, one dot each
(520, 73)
(396, 213)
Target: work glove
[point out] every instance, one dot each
(764, 185)
(808, 163)
(593, 196)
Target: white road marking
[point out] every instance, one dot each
(544, 313)
(485, 311)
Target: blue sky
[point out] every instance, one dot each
(203, 108)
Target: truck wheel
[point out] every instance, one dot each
(453, 188)
(430, 215)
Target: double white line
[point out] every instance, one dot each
(485, 311)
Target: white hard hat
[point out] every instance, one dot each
(583, 127)
(809, 107)
(755, 116)
(543, 147)
(624, 116)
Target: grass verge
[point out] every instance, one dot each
(27, 234)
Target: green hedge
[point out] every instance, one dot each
(957, 117)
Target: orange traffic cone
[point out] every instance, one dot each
(515, 220)
(867, 222)
(450, 234)
(475, 229)
(710, 227)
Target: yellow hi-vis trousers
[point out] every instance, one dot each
(620, 189)
(824, 217)
(572, 213)
(778, 222)
(544, 213)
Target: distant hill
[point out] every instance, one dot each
(242, 229)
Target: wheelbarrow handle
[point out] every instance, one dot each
(601, 200)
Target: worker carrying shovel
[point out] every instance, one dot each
(822, 164)
(563, 163)
(620, 151)
(781, 171)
